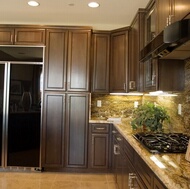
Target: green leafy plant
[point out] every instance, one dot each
(150, 117)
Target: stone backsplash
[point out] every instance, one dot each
(123, 106)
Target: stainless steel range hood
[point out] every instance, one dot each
(172, 43)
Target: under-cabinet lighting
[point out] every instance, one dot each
(157, 162)
(127, 94)
(160, 93)
(93, 4)
(33, 3)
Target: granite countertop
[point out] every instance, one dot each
(176, 171)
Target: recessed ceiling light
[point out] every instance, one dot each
(33, 3)
(93, 4)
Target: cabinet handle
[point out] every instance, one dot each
(124, 86)
(131, 178)
(132, 85)
(11, 38)
(15, 38)
(68, 85)
(114, 132)
(100, 128)
(119, 139)
(116, 149)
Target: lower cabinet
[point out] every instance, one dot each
(131, 172)
(99, 146)
(64, 130)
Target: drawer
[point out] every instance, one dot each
(100, 128)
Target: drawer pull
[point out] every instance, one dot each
(114, 132)
(100, 128)
(119, 139)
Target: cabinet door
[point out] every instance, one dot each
(119, 62)
(78, 60)
(53, 130)
(181, 9)
(6, 36)
(164, 9)
(29, 36)
(99, 151)
(101, 47)
(150, 75)
(136, 42)
(56, 57)
(171, 75)
(76, 130)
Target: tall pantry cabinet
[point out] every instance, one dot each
(66, 97)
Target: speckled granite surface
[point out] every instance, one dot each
(175, 175)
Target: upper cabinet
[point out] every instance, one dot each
(170, 11)
(150, 22)
(100, 62)
(67, 60)
(119, 61)
(136, 42)
(56, 57)
(78, 60)
(22, 36)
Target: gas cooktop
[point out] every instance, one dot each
(163, 142)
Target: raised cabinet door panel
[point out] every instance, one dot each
(119, 62)
(6, 36)
(136, 42)
(56, 57)
(76, 130)
(164, 9)
(171, 75)
(150, 75)
(29, 36)
(78, 60)
(53, 130)
(99, 151)
(181, 9)
(101, 46)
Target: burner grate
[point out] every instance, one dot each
(163, 142)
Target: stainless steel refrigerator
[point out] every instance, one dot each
(21, 83)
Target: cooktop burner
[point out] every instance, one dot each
(163, 142)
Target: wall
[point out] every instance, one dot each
(123, 106)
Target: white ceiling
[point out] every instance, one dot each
(111, 14)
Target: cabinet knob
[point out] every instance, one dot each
(116, 149)
(119, 139)
(132, 85)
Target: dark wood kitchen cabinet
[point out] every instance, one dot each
(119, 61)
(6, 36)
(100, 62)
(78, 60)
(22, 36)
(99, 146)
(161, 75)
(56, 59)
(67, 60)
(53, 130)
(77, 112)
(64, 132)
(136, 43)
(170, 11)
(130, 169)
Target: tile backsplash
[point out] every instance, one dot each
(123, 106)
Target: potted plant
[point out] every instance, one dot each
(149, 117)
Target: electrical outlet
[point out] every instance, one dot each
(99, 103)
(136, 104)
(179, 109)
